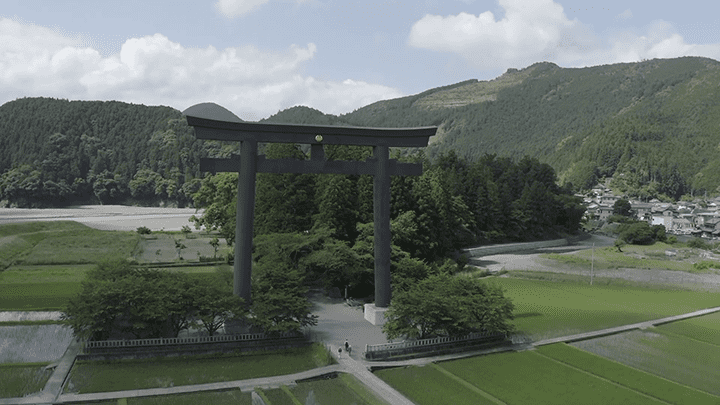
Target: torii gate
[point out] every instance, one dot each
(212, 121)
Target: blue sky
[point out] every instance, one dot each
(257, 57)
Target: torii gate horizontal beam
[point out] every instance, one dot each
(307, 134)
(264, 165)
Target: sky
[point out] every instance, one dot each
(258, 57)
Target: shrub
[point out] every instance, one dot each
(144, 230)
(698, 243)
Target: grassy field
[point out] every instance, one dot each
(43, 263)
(545, 309)
(343, 390)
(62, 242)
(704, 328)
(87, 377)
(513, 378)
(22, 379)
(429, 386)
(668, 355)
(632, 378)
(632, 256)
(36, 296)
(230, 397)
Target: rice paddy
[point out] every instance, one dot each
(33, 343)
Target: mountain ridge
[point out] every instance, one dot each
(651, 128)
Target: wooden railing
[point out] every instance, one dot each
(183, 341)
(371, 351)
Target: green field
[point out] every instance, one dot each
(36, 296)
(665, 354)
(515, 378)
(101, 376)
(429, 386)
(22, 379)
(343, 390)
(632, 378)
(62, 242)
(43, 263)
(705, 328)
(545, 309)
(229, 397)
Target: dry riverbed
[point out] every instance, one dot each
(106, 217)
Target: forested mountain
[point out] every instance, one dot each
(54, 152)
(652, 127)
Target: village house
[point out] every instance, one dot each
(683, 218)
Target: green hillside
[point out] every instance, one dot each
(654, 125)
(55, 152)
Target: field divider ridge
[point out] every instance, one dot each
(467, 385)
(624, 328)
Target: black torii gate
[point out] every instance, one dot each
(212, 121)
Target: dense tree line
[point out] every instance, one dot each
(118, 301)
(452, 205)
(55, 152)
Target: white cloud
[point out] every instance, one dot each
(238, 8)
(153, 70)
(528, 31)
(625, 15)
(537, 30)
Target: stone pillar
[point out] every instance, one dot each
(381, 203)
(244, 220)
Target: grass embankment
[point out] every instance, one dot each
(545, 309)
(101, 376)
(22, 379)
(635, 257)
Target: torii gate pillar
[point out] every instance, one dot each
(244, 220)
(212, 121)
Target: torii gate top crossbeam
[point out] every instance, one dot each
(308, 134)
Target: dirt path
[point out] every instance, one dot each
(531, 261)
